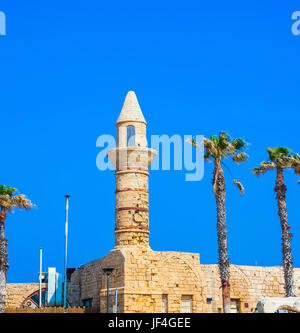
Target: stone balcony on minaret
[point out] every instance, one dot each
(131, 159)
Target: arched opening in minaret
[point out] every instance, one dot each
(130, 136)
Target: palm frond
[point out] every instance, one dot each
(283, 150)
(239, 144)
(264, 167)
(224, 141)
(220, 147)
(194, 143)
(207, 156)
(225, 135)
(280, 157)
(296, 164)
(210, 147)
(4, 200)
(297, 170)
(278, 154)
(9, 201)
(7, 190)
(21, 202)
(239, 185)
(240, 157)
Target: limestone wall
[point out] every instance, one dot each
(92, 281)
(150, 274)
(88, 278)
(16, 293)
(248, 284)
(143, 277)
(73, 294)
(131, 214)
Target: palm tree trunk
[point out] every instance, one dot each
(3, 261)
(224, 265)
(287, 261)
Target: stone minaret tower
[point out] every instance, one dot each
(131, 159)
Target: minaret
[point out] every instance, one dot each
(131, 159)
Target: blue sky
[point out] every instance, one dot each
(197, 67)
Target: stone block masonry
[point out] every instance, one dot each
(16, 293)
(144, 278)
(131, 160)
(150, 281)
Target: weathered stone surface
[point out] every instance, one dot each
(272, 304)
(144, 277)
(131, 110)
(16, 293)
(131, 185)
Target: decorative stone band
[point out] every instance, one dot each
(125, 169)
(120, 171)
(133, 208)
(130, 120)
(132, 189)
(133, 228)
(131, 157)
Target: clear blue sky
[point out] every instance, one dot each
(197, 67)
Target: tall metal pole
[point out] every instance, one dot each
(40, 277)
(107, 271)
(66, 250)
(107, 305)
(115, 309)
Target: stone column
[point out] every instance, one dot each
(131, 159)
(131, 199)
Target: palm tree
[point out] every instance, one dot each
(8, 201)
(279, 159)
(218, 148)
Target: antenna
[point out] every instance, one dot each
(40, 277)
(66, 249)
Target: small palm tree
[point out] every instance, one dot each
(279, 159)
(8, 201)
(218, 148)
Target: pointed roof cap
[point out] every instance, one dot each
(131, 110)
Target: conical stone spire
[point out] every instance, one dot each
(131, 162)
(131, 110)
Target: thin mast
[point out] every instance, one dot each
(66, 250)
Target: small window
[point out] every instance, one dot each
(87, 302)
(130, 136)
(235, 305)
(186, 304)
(164, 304)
